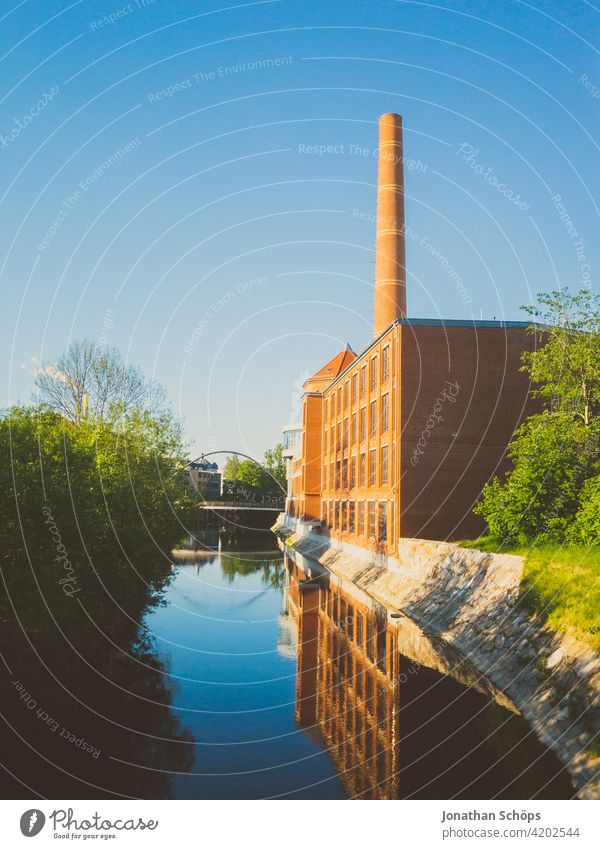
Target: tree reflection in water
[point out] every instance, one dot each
(86, 703)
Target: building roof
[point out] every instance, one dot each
(454, 322)
(336, 365)
(431, 322)
(203, 466)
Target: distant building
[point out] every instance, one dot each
(292, 445)
(204, 477)
(399, 440)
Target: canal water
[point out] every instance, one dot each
(284, 686)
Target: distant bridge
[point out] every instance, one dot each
(250, 515)
(242, 505)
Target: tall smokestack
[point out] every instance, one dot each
(390, 256)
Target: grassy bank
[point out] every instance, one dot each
(559, 583)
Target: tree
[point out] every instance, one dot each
(231, 469)
(276, 464)
(566, 368)
(556, 451)
(552, 456)
(89, 380)
(246, 479)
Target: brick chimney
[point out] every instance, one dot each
(390, 256)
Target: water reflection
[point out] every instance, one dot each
(395, 728)
(257, 678)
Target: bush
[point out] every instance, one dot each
(552, 455)
(586, 526)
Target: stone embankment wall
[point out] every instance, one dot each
(469, 600)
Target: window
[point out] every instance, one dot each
(361, 518)
(339, 436)
(359, 629)
(353, 429)
(362, 470)
(385, 412)
(324, 476)
(363, 423)
(351, 517)
(354, 387)
(325, 442)
(383, 524)
(347, 393)
(344, 473)
(331, 476)
(326, 514)
(340, 515)
(385, 465)
(353, 472)
(338, 467)
(385, 364)
(344, 509)
(363, 381)
(371, 519)
(372, 467)
(374, 373)
(372, 655)
(373, 419)
(345, 443)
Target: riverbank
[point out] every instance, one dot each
(472, 601)
(560, 583)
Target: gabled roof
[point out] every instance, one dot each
(336, 365)
(322, 378)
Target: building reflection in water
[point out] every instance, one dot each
(352, 667)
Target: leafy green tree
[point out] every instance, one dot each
(246, 479)
(552, 456)
(276, 464)
(585, 529)
(89, 512)
(566, 368)
(556, 450)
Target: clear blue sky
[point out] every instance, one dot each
(218, 253)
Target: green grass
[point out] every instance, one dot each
(559, 583)
(593, 749)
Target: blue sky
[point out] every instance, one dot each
(160, 189)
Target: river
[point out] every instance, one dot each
(249, 676)
(287, 687)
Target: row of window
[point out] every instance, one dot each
(355, 387)
(349, 473)
(354, 427)
(361, 518)
(367, 632)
